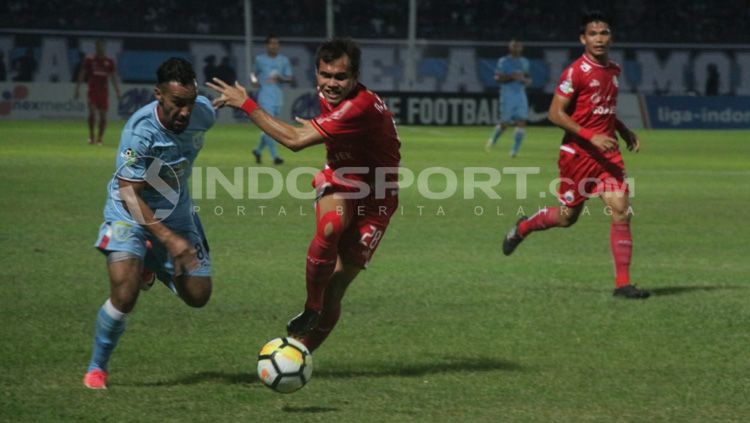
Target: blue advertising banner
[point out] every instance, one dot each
(693, 112)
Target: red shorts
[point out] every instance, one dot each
(583, 176)
(369, 219)
(99, 99)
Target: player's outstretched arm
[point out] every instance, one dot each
(557, 114)
(630, 137)
(294, 138)
(183, 254)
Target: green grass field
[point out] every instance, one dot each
(441, 327)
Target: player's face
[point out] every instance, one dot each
(273, 46)
(176, 102)
(596, 39)
(335, 79)
(515, 48)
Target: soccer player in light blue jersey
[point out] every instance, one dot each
(512, 72)
(150, 228)
(270, 71)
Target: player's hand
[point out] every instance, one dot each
(183, 255)
(231, 95)
(631, 140)
(604, 142)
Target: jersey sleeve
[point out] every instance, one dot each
(569, 83)
(131, 158)
(499, 67)
(345, 123)
(207, 110)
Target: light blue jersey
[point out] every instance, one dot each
(150, 153)
(266, 67)
(513, 102)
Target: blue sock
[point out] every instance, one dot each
(110, 324)
(496, 134)
(261, 144)
(271, 143)
(518, 139)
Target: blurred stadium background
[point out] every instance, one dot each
(432, 60)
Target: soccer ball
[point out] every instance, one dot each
(284, 365)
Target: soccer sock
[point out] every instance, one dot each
(327, 322)
(496, 134)
(102, 127)
(271, 143)
(92, 122)
(622, 250)
(321, 260)
(110, 324)
(541, 220)
(517, 140)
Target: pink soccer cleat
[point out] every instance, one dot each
(95, 379)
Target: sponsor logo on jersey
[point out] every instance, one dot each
(585, 67)
(604, 110)
(566, 87)
(594, 83)
(568, 196)
(596, 98)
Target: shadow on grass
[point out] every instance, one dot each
(455, 365)
(678, 290)
(451, 365)
(289, 409)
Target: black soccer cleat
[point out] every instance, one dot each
(303, 323)
(631, 292)
(512, 238)
(278, 161)
(257, 156)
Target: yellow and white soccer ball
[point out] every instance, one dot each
(284, 365)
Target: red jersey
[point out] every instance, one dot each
(97, 70)
(593, 89)
(359, 132)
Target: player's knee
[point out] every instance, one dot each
(195, 291)
(123, 298)
(568, 219)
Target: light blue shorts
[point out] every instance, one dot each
(513, 109)
(121, 235)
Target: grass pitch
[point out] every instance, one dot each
(441, 327)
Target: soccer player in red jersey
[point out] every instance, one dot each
(97, 69)
(590, 162)
(357, 191)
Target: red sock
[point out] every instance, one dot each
(321, 260)
(541, 220)
(622, 250)
(327, 322)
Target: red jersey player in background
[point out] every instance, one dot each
(357, 192)
(590, 162)
(97, 70)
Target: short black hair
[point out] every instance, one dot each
(176, 69)
(271, 37)
(593, 16)
(336, 48)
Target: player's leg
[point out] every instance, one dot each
(340, 280)
(91, 121)
(518, 136)
(195, 291)
(277, 160)
(102, 125)
(621, 243)
(333, 216)
(549, 217)
(500, 127)
(125, 277)
(194, 287)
